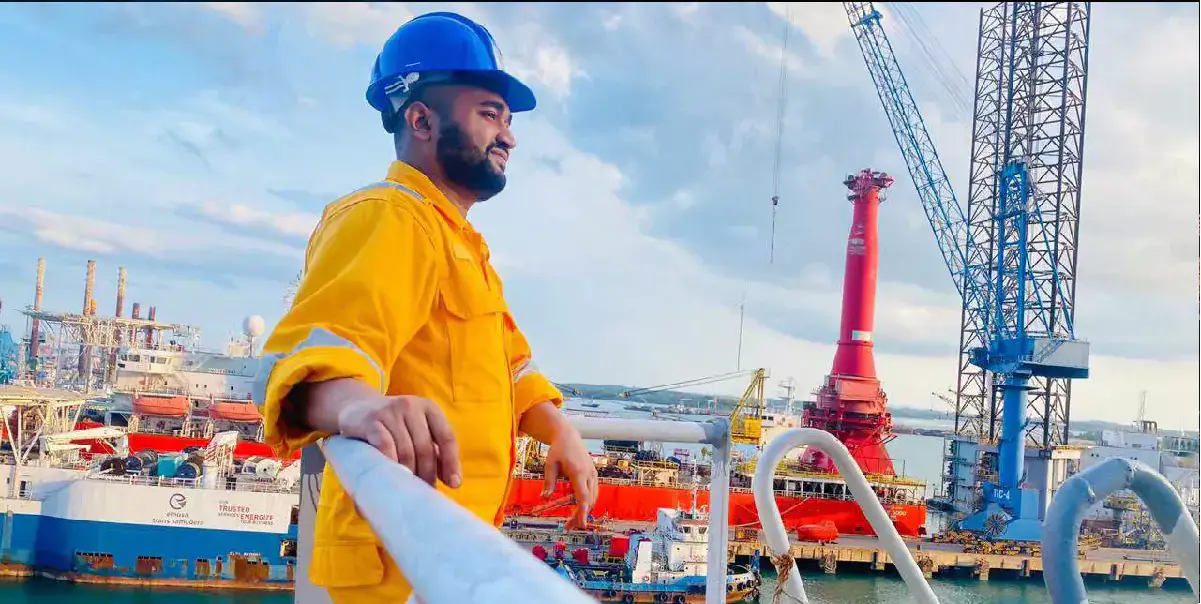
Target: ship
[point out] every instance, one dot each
(665, 564)
(636, 480)
(199, 518)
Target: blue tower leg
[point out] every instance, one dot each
(1012, 449)
(1010, 512)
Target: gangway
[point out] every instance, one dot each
(452, 557)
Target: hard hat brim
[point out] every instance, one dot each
(516, 94)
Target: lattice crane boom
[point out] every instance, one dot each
(934, 190)
(1012, 253)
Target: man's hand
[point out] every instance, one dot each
(569, 458)
(410, 430)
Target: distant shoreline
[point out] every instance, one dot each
(674, 397)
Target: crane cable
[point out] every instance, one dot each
(781, 103)
(935, 59)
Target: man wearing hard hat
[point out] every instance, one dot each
(399, 334)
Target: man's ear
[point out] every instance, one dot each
(420, 120)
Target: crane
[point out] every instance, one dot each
(1012, 253)
(746, 419)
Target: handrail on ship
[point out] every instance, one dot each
(1077, 494)
(451, 557)
(777, 537)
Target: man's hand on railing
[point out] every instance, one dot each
(569, 458)
(409, 430)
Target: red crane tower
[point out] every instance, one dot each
(851, 405)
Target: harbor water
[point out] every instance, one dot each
(844, 588)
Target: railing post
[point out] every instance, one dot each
(312, 464)
(1061, 532)
(719, 514)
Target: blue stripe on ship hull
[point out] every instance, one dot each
(52, 543)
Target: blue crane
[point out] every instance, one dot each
(1012, 254)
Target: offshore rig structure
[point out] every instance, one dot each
(1011, 253)
(79, 351)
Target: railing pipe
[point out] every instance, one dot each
(710, 433)
(419, 526)
(420, 531)
(773, 523)
(1061, 532)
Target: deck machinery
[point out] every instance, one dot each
(1012, 254)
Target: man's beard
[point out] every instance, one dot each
(467, 166)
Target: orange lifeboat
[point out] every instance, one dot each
(823, 532)
(234, 412)
(162, 406)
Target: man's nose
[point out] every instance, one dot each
(506, 138)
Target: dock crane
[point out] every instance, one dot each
(1012, 254)
(746, 419)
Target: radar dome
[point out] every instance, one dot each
(253, 326)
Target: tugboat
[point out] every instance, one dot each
(668, 564)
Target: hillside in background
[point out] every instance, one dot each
(672, 397)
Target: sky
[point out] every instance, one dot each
(196, 145)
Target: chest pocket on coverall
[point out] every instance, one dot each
(481, 382)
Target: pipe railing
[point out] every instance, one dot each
(1061, 532)
(451, 557)
(777, 537)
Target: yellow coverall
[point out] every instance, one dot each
(398, 291)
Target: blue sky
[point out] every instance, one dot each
(195, 144)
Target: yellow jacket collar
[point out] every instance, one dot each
(415, 179)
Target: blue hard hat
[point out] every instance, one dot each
(443, 47)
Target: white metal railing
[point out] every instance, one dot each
(451, 557)
(777, 537)
(1077, 494)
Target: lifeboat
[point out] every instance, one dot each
(234, 412)
(162, 406)
(822, 532)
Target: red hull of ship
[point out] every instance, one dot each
(639, 503)
(173, 444)
(633, 502)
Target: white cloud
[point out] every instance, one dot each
(245, 14)
(611, 304)
(823, 23)
(685, 11)
(103, 237)
(295, 224)
(350, 23)
(84, 234)
(29, 114)
(546, 64)
(772, 52)
(530, 52)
